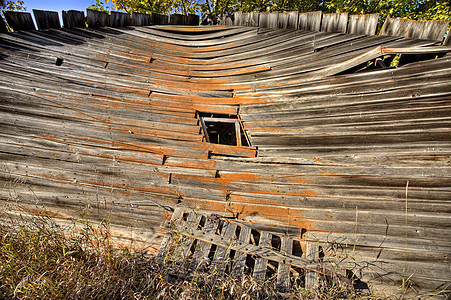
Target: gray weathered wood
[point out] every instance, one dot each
(283, 270)
(310, 21)
(238, 18)
(223, 252)
(261, 264)
(46, 19)
(139, 19)
(97, 18)
(168, 238)
(288, 20)
(193, 20)
(335, 148)
(73, 19)
(428, 30)
(250, 19)
(312, 254)
(273, 19)
(184, 243)
(334, 22)
(19, 20)
(200, 256)
(118, 19)
(447, 40)
(178, 19)
(396, 26)
(363, 24)
(159, 19)
(239, 261)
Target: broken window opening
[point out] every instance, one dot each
(386, 58)
(223, 129)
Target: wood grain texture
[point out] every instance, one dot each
(363, 24)
(73, 19)
(19, 20)
(396, 26)
(119, 19)
(310, 21)
(46, 19)
(97, 18)
(334, 22)
(337, 155)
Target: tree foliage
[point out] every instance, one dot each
(412, 9)
(12, 5)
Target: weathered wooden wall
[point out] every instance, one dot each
(102, 123)
(46, 19)
(19, 20)
(73, 19)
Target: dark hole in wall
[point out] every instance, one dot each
(223, 129)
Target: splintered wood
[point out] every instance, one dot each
(198, 243)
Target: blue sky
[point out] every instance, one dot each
(58, 5)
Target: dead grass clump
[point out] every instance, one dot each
(41, 260)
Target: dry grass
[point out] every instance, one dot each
(40, 260)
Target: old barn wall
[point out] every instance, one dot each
(102, 123)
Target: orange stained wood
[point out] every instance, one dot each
(215, 67)
(46, 213)
(211, 100)
(286, 215)
(186, 135)
(296, 179)
(207, 164)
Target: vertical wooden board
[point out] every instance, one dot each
(225, 20)
(119, 19)
(447, 41)
(293, 17)
(396, 27)
(363, 24)
(312, 254)
(178, 19)
(139, 19)
(282, 20)
(228, 20)
(222, 19)
(46, 19)
(261, 264)
(428, 30)
(167, 240)
(288, 20)
(159, 19)
(310, 21)
(254, 19)
(283, 270)
(334, 22)
(193, 20)
(238, 18)
(239, 261)
(263, 20)
(3, 27)
(184, 245)
(222, 254)
(200, 255)
(19, 20)
(97, 18)
(246, 19)
(273, 19)
(74, 19)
